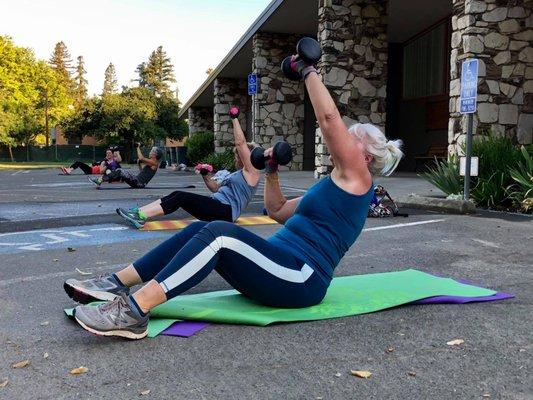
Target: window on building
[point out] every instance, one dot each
(425, 63)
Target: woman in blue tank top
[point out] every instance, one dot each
(229, 199)
(291, 269)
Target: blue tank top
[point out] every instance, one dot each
(235, 191)
(326, 222)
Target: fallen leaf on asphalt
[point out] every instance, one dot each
(79, 370)
(21, 364)
(56, 259)
(4, 383)
(45, 323)
(455, 342)
(46, 355)
(390, 349)
(71, 249)
(338, 374)
(79, 271)
(145, 392)
(361, 374)
(412, 373)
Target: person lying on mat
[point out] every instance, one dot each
(111, 162)
(229, 199)
(291, 269)
(147, 167)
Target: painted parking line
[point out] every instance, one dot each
(379, 228)
(92, 235)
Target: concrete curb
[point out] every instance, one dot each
(437, 204)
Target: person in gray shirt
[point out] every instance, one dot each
(147, 166)
(229, 199)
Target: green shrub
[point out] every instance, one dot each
(199, 146)
(497, 156)
(445, 176)
(521, 192)
(505, 175)
(224, 160)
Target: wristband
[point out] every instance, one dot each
(307, 70)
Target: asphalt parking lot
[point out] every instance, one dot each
(43, 214)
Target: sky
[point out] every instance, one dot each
(196, 35)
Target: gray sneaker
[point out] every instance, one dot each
(132, 216)
(114, 318)
(95, 181)
(105, 287)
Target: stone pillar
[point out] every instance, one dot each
(200, 120)
(353, 36)
(279, 104)
(228, 92)
(499, 34)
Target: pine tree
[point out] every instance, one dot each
(157, 73)
(141, 70)
(110, 81)
(61, 62)
(80, 83)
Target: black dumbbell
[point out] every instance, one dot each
(281, 153)
(308, 50)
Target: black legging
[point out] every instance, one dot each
(201, 207)
(87, 170)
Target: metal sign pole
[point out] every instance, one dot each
(469, 133)
(468, 101)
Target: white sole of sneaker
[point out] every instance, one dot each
(99, 295)
(124, 334)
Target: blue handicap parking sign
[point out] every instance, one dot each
(469, 86)
(252, 84)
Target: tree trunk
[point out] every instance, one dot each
(11, 153)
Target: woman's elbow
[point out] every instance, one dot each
(328, 117)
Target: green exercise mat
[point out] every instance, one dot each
(349, 295)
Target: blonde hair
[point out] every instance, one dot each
(387, 153)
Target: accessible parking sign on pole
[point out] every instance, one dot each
(469, 72)
(252, 91)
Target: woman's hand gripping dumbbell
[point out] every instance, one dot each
(279, 154)
(297, 67)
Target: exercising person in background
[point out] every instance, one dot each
(291, 269)
(230, 197)
(147, 166)
(111, 162)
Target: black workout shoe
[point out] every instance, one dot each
(104, 287)
(115, 318)
(132, 216)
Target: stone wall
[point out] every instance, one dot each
(200, 119)
(353, 36)
(279, 108)
(499, 33)
(228, 92)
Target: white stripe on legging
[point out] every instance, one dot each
(245, 250)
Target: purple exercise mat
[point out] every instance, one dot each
(463, 300)
(184, 328)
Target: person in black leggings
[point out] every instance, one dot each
(228, 200)
(111, 162)
(292, 269)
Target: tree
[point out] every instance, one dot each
(158, 73)
(62, 63)
(110, 81)
(33, 96)
(80, 83)
(167, 118)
